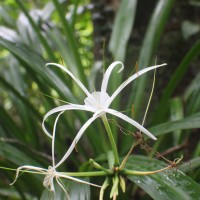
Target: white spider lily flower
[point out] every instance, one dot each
(50, 173)
(98, 102)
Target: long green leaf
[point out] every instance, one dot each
(194, 86)
(166, 185)
(37, 30)
(176, 113)
(122, 29)
(149, 46)
(48, 9)
(186, 123)
(4, 14)
(21, 98)
(162, 107)
(7, 123)
(150, 43)
(192, 97)
(190, 165)
(75, 191)
(37, 65)
(12, 194)
(121, 32)
(19, 158)
(72, 42)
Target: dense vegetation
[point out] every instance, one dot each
(87, 37)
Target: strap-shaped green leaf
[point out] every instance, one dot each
(186, 123)
(122, 29)
(168, 185)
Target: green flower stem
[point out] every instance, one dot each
(85, 174)
(75, 174)
(99, 167)
(111, 138)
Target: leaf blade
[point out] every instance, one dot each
(165, 185)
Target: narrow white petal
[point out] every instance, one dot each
(131, 121)
(130, 79)
(63, 108)
(72, 76)
(108, 73)
(53, 139)
(78, 136)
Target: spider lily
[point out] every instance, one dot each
(50, 173)
(98, 102)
